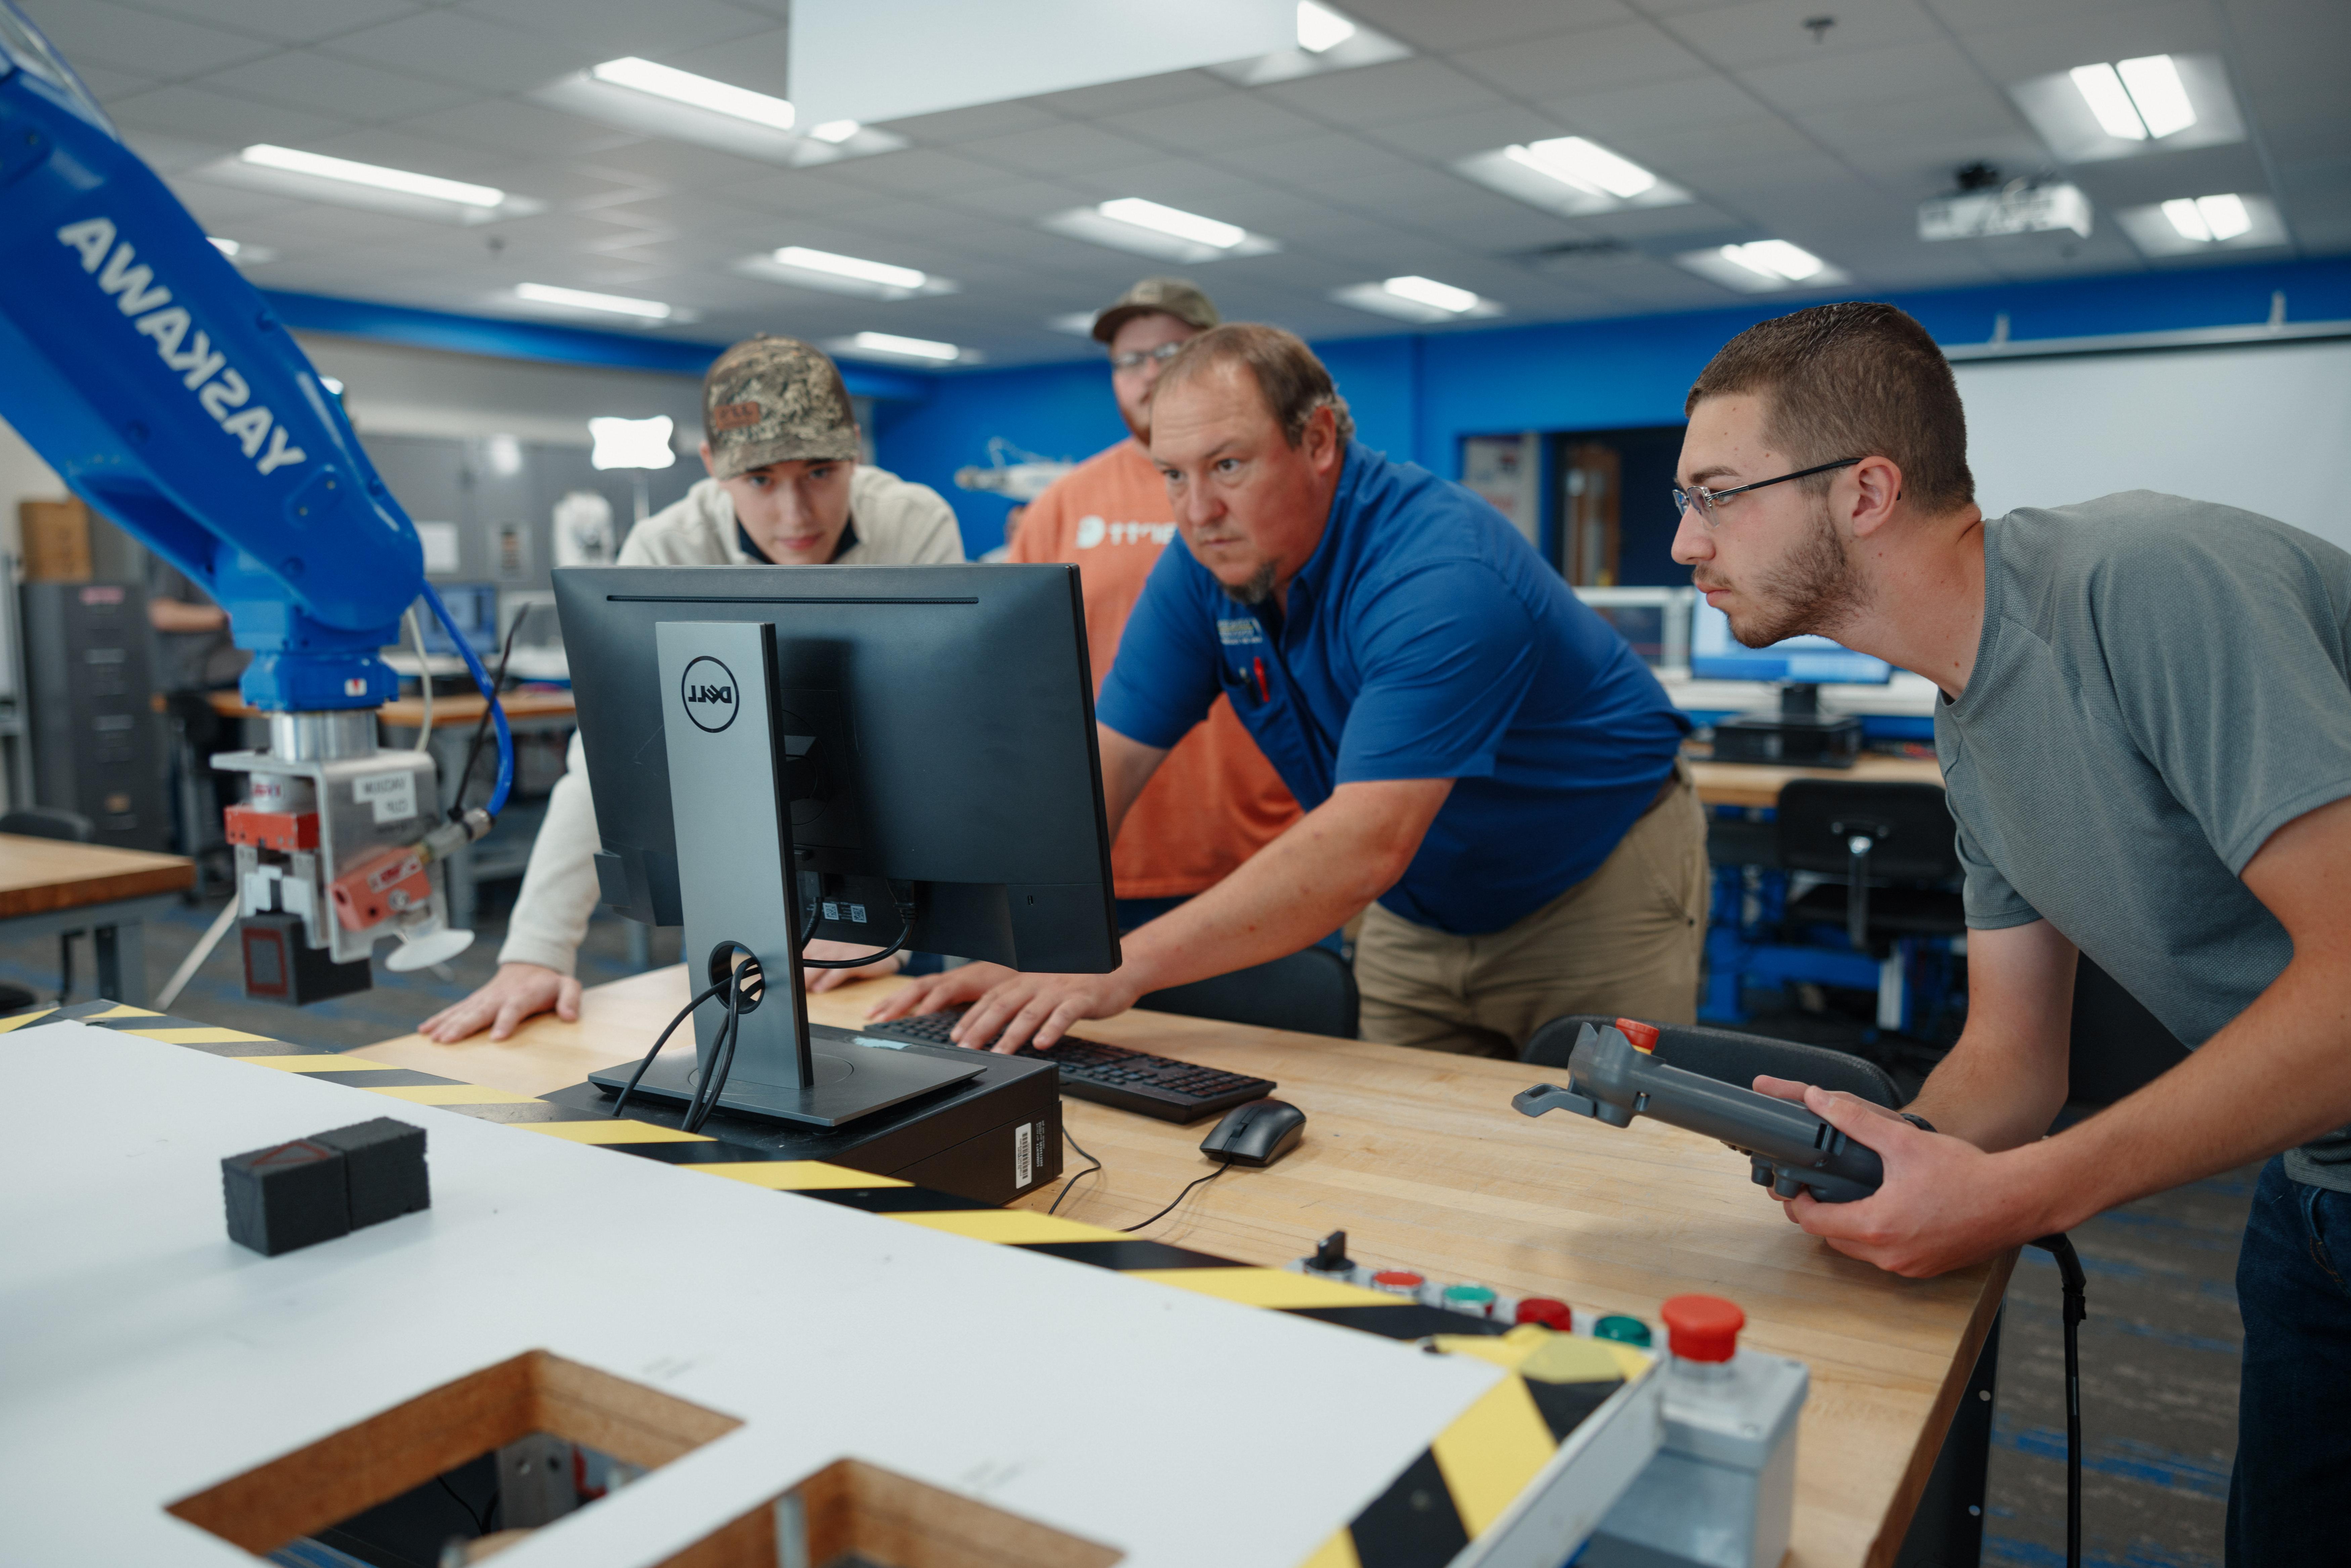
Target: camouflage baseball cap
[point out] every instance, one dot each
(1174, 296)
(775, 400)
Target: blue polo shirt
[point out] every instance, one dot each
(1424, 639)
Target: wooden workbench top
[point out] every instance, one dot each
(1420, 1159)
(40, 876)
(1759, 783)
(407, 713)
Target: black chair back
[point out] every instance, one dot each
(1312, 992)
(1909, 828)
(49, 822)
(1728, 1056)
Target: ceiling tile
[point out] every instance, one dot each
(1449, 28)
(504, 125)
(1308, 160)
(952, 126)
(1763, 32)
(760, 61)
(1451, 136)
(223, 121)
(627, 27)
(289, 21)
(139, 42)
(306, 79)
(451, 46)
(1113, 98)
(1230, 119)
(1383, 95)
(1065, 149)
(2060, 37)
(1603, 58)
(1895, 74)
(108, 84)
(919, 172)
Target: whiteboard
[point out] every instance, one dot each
(2265, 426)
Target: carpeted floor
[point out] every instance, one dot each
(2159, 1351)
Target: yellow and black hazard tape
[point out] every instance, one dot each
(1450, 1494)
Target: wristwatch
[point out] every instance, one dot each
(1920, 1122)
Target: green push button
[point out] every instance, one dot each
(1625, 1329)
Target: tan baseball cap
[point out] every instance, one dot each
(775, 400)
(1174, 296)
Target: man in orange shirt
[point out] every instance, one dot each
(1216, 801)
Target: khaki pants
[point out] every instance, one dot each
(1623, 942)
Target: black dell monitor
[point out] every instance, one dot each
(915, 742)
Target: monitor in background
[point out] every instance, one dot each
(474, 606)
(1654, 621)
(1717, 655)
(916, 743)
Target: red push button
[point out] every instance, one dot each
(1640, 1036)
(1550, 1314)
(1397, 1282)
(1702, 1328)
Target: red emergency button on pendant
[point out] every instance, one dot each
(1702, 1328)
(1638, 1034)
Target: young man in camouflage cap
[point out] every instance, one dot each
(785, 489)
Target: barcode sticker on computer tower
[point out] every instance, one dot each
(1024, 1150)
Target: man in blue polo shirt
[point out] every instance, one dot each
(1478, 751)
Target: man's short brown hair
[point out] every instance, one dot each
(1854, 380)
(1292, 381)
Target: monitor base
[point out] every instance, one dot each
(1791, 740)
(851, 1081)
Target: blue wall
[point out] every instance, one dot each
(1416, 396)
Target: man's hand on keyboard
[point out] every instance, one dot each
(1021, 1008)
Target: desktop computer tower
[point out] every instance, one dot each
(97, 741)
(1793, 740)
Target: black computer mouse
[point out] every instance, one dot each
(1257, 1134)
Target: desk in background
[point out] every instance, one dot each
(1757, 784)
(48, 885)
(1420, 1158)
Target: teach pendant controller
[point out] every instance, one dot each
(1612, 1078)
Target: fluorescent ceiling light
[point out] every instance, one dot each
(834, 131)
(906, 347)
(1428, 291)
(2108, 99)
(1321, 28)
(1586, 165)
(321, 166)
(2205, 219)
(2138, 99)
(1172, 221)
(1775, 259)
(701, 92)
(581, 300)
(2158, 93)
(880, 272)
(631, 443)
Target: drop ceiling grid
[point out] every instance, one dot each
(1828, 143)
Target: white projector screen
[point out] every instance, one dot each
(2265, 426)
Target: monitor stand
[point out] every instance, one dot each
(1798, 734)
(732, 812)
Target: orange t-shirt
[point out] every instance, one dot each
(1216, 801)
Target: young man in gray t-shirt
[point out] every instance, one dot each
(2145, 732)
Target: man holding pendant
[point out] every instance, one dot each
(2146, 733)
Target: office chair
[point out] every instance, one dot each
(1311, 991)
(71, 827)
(1894, 849)
(1728, 1056)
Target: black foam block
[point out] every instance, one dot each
(384, 1168)
(285, 1196)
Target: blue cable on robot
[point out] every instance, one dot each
(158, 383)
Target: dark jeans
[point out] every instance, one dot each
(2293, 1441)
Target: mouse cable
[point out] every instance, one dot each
(2075, 1286)
(1093, 1166)
(1179, 1197)
(682, 1014)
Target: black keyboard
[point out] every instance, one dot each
(1130, 1079)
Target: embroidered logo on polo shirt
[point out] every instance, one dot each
(1244, 630)
(1093, 530)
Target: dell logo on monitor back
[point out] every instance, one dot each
(708, 689)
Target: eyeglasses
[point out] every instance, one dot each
(1710, 502)
(1133, 358)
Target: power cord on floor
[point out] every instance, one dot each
(2074, 1285)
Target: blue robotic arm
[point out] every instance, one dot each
(160, 384)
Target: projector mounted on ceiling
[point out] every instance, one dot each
(1985, 209)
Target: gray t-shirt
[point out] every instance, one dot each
(2161, 685)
